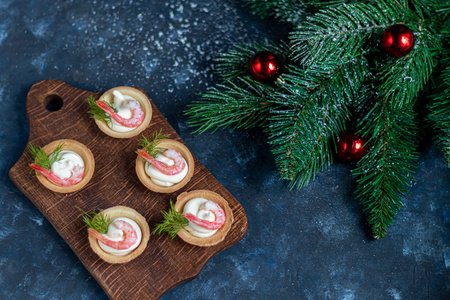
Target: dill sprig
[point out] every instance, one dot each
(96, 112)
(96, 221)
(172, 223)
(150, 146)
(42, 159)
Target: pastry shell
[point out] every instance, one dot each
(220, 235)
(117, 212)
(140, 97)
(145, 179)
(81, 150)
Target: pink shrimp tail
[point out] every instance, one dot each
(137, 115)
(47, 173)
(97, 235)
(76, 177)
(203, 223)
(164, 168)
(129, 233)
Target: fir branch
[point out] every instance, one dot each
(299, 158)
(403, 78)
(386, 171)
(99, 222)
(428, 8)
(439, 106)
(150, 146)
(300, 134)
(329, 71)
(96, 112)
(240, 104)
(239, 107)
(172, 222)
(341, 33)
(345, 79)
(235, 63)
(42, 159)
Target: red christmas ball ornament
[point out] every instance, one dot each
(265, 67)
(397, 40)
(350, 147)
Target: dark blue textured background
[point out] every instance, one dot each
(308, 244)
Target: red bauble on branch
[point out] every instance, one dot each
(398, 40)
(351, 147)
(265, 67)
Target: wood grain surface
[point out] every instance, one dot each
(165, 263)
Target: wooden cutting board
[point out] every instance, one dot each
(165, 263)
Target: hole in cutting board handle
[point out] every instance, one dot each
(53, 102)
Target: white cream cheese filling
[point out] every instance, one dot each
(162, 179)
(69, 160)
(115, 234)
(193, 206)
(120, 104)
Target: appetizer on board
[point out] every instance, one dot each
(163, 165)
(202, 218)
(63, 166)
(118, 234)
(121, 112)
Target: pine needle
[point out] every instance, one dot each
(386, 171)
(96, 221)
(42, 159)
(172, 223)
(150, 145)
(96, 112)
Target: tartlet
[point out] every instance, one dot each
(221, 233)
(140, 97)
(117, 212)
(81, 150)
(164, 144)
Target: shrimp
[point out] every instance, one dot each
(137, 115)
(130, 236)
(75, 177)
(215, 209)
(164, 168)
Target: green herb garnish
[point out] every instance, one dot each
(96, 112)
(172, 223)
(150, 146)
(42, 159)
(96, 221)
